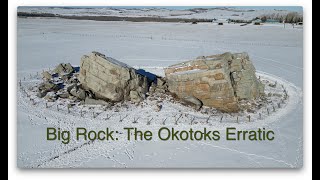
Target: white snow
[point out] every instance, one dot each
(189, 71)
(221, 14)
(276, 52)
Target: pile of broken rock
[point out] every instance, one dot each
(62, 82)
(100, 80)
(218, 81)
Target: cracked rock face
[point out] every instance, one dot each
(110, 79)
(63, 69)
(218, 81)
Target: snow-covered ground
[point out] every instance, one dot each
(276, 52)
(210, 13)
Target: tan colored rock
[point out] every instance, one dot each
(135, 97)
(218, 81)
(110, 79)
(46, 75)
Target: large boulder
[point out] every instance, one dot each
(110, 79)
(218, 81)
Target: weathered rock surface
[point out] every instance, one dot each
(46, 75)
(63, 94)
(218, 81)
(48, 86)
(78, 92)
(63, 69)
(135, 97)
(41, 94)
(110, 79)
(193, 100)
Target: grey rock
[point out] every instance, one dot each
(65, 77)
(48, 86)
(78, 92)
(41, 94)
(158, 107)
(63, 94)
(51, 97)
(110, 79)
(160, 82)
(152, 88)
(63, 69)
(193, 100)
(46, 75)
(72, 80)
(135, 97)
(71, 86)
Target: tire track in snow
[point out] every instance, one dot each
(275, 61)
(64, 153)
(249, 154)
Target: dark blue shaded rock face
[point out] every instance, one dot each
(151, 77)
(55, 75)
(76, 69)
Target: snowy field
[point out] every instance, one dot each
(210, 13)
(276, 52)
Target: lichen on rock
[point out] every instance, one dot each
(218, 81)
